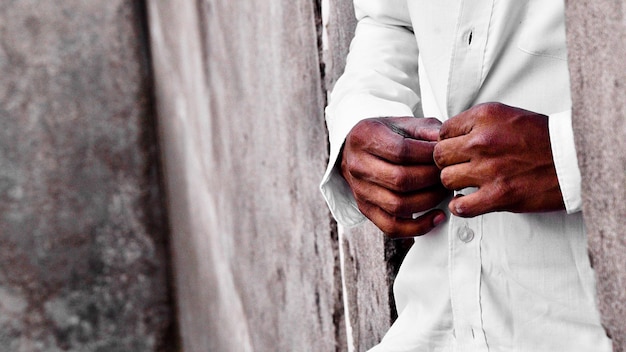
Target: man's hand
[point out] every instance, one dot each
(506, 153)
(388, 163)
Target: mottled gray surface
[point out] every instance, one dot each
(240, 103)
(82, 262)
(371, 263)
(340, 29)
(597, 48)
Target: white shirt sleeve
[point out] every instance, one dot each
(380, 79)
(565, 161)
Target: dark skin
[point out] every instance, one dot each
(503, 151)
(388, 163)
(506, 153)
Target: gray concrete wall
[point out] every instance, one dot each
(82, 228)
(240, 103)
(596, 33)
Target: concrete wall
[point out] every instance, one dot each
(82, 228)
(597, 48)
(240, 99)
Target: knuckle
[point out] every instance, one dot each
(351, 164)
(358, 197)
(395, 206)
(356, 132)
(483, 141)
(401, 180)
(480, 109)
(363, 132)
(364, 207)
(503, 189)
(346, 155)
(431, 121)
(403, 151)
(438, 155)
(487, 109)
(501, 196)
(446, 178)
(444, 130)
(347, 169)
(374, 125)
(366, 123)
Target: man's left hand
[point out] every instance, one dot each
(503, 151)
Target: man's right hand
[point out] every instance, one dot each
(388, 163)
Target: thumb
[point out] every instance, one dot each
(471, 205)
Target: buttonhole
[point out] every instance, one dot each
(469, 38)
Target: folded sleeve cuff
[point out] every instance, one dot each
(565, 161)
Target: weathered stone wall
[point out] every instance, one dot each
(240, 102)
(597, 47)
(82, 230)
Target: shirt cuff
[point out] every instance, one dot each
(565, 161)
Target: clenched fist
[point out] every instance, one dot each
(506, 153)
(388, 163)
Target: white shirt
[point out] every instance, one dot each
(501, 281)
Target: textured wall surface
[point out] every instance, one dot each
(370, 266)
(82, 236)
(339, 25)
(597, 48)
(240, 103)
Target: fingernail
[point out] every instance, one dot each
(439, 219)
(459, 209)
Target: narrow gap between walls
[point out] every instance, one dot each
(346, 310)
(171, 339)
(324, 47)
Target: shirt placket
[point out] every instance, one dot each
(465, 273)
(465, 235)
(467, 61)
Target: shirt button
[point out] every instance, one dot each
(466, 234)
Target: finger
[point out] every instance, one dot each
(483, 201)
(403, 228)
(453, 151)
(406, 151)
(418, 128)
(395, 148)
(398, 178)
(458, 125)
(406, 205)
(389, 142)
(464, 175)
(398, 204)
